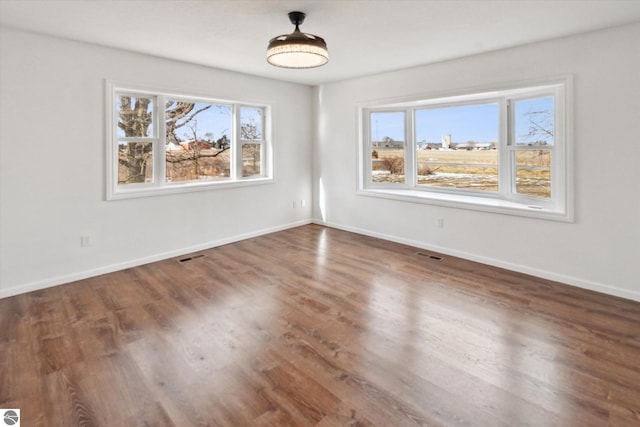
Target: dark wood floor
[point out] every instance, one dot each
(319, 327)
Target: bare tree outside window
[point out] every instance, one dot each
(162, 143)
(192, 151)
(134, 158)
(534, 122)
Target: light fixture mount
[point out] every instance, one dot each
(298, 49)
(297, 18)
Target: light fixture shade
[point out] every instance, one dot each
(298, 49)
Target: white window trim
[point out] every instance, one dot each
(159, 186)
(560, 208)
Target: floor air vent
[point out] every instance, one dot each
(437, 258)
(191, 258)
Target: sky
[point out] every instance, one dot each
(464, 123)
(218, 121)
(211, 123)
(478, 122)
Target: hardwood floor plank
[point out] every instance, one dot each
(314, 326)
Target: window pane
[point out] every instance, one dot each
(534, 123)
(467, 169)
(387, 165)
(135, 117)
(533, 173)
(251, 124)
(457, 147)
(135, 162)
(198, 141)
(251, 159)
(387, 147)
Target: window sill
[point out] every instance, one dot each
(483, 204)
(149, 191)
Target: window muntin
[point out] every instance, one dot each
(165, 143)
(521, 170)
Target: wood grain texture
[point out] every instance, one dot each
(319, 327)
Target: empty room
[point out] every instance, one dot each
(320, 213)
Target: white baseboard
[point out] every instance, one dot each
(574, 281)
(569, 280)
(60, 280)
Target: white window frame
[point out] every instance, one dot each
(159, 186)
(506, 200)
(241, 142)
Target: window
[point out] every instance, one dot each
(252, 140)
(161, 143)
(504, 151)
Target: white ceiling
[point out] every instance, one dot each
(364, 36)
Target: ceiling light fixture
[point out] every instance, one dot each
(298, 49)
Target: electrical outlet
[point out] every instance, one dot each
(440, 222)
(294, 204)
(303, 203)
(85, 240)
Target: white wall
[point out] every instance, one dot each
(52, 165)
(600, 250)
